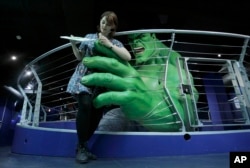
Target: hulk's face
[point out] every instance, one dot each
(143, 46)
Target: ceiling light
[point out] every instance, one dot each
(18, 37)
(13, 57)
(28, 73)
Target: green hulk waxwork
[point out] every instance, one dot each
(149, 91)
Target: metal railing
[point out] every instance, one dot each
(215, 63)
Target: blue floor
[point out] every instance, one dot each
(11, 160)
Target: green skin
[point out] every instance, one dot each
(140, 90)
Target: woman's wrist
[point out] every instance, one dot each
(111, 46)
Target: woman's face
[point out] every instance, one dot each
(105, 27)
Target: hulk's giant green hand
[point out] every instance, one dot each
(139, 92)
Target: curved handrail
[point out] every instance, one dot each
(197, 32)
(41, 57)
(142, 31)
(167, 31)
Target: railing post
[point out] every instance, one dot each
(38, 99)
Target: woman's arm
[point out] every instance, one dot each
(78, 53)
(122, 52)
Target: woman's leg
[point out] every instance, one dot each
(82, 126)
(95, 118)
(96, 114)
(83, 117)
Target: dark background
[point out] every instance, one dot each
(40, 23)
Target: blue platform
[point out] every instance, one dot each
(59, 139)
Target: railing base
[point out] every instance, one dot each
(62, 142)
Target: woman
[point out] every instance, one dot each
(88, 117)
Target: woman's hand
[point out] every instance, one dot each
(73, 42)
(104, 41)
(122, 52)
(75, 49)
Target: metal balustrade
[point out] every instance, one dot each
(217, 61)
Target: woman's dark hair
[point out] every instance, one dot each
(112, 20)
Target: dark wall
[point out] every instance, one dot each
(9, 116)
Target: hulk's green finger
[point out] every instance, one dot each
(106, 80)
(114, 98)
(102, 50)
(110, 65)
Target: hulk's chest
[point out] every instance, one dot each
(152, 77)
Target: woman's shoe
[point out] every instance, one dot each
(91, 156)
(82, 155)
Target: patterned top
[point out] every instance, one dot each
(74, 85)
